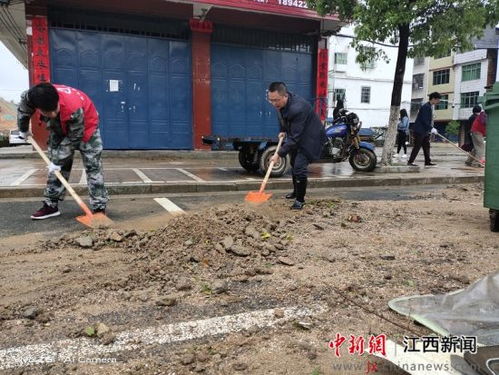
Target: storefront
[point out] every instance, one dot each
(164, 73)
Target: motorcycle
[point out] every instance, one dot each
(343, 142)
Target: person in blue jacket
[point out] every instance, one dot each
(402, 132)
(304, 134)
(423, 128)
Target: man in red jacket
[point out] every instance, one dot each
(478, 133)
(73, 123)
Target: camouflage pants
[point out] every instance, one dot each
(61, 152)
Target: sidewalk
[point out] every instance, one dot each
(23, 174)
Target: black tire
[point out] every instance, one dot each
(494, 220)
(279, 168)
(246, 159)
(363, 160)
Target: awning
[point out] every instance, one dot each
(13, 29)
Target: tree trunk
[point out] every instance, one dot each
(398, 83)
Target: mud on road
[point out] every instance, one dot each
(352, 257)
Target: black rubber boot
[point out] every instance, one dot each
(292, 195)
(301, 190)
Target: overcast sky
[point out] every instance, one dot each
(13, 76)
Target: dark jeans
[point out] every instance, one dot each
(401, 139)
(421, 140)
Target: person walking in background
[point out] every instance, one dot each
(402, 132)
(478, 133)
(423, 127)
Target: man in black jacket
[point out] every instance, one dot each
(305, 136)
(423, 127)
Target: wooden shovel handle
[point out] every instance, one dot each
(271, 165)
(61, 178)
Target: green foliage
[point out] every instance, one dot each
(206, 289)
(89, 331)
(453, 127)
(435, 26)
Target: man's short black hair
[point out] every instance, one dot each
(477, 109)
(435, 95)
(44, 96)
(280, 87)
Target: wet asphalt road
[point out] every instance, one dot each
(15, 213)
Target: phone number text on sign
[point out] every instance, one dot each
(293, 3)
(289, 3)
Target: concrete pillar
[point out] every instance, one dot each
(38, 63)
(201, 80)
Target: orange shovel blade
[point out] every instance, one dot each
(257, 197)
(96, 221)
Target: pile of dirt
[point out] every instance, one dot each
(232, 242)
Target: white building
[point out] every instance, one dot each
(367, 89)
(419, 85)
(471, 70)
(475, 70)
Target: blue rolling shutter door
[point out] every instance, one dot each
(141, 85)
(242, 73)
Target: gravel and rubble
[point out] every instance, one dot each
(352, 256)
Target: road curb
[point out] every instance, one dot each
(209, 187)
(146, 155)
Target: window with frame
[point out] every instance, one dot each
(415, 106)
(444, 103)
(417, 81)
(443, 54)
(418, 60)
(340, 58)
(471, 72)
(365, 94)
(469, 99)
(370, 64)
(367, 65)
(441, 77)
(339, 94)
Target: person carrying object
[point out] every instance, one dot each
(422, 129)
(304, 135)
(73, 124)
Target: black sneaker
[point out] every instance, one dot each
(430, 164)
(45, 212)
(99, 211)
(297, 205)
(291, 195)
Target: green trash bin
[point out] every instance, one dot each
(490, 103)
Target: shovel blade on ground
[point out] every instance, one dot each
(257, 197)
(95, 221)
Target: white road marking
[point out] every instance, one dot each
(142, 176)
(169, 205)
(24, 177)
(82, 348)
(189, 174)
(83, 178)
(223, 169)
